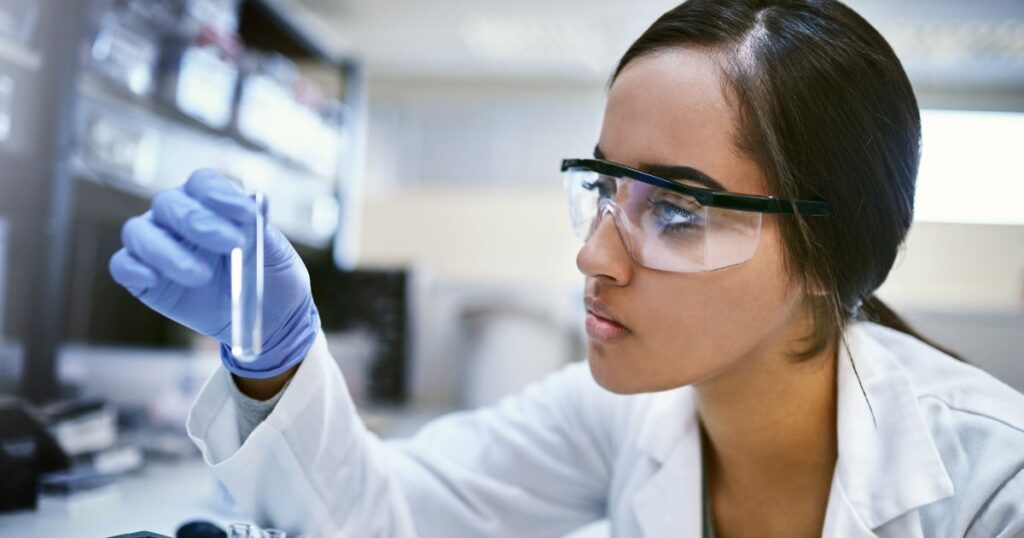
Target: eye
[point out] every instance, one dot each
(670, 217)
(603, 185)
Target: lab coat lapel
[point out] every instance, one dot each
(883, 471)
(669, 503)
(841, 517)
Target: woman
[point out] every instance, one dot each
(751, 187)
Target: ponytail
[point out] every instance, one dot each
(877, 311)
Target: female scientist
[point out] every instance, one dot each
(750, 189)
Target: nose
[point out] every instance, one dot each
(604, 255)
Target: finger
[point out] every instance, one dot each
(176, 211)
(277, 250)
(158, 250)
(132, 274)
(214, 191)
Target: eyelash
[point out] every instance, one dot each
(598, 185)
(691, 218)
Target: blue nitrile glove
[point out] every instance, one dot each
(176, 260)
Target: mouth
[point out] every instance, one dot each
(602, 325)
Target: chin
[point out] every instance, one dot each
(615, 380)
(620, 375)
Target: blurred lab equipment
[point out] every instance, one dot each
(512, 341)
(199, 529)
(368, 317)
(104, 103)
(27, 451)
(205, 529)
(125, 49)
(247, 289)
(474, 342)
(411, 345)
(18, 19)
(6, 104)
(21, 63)
(3, 275)
(62, 455)
(279, 110)
(199, 70)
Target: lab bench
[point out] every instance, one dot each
(159, 498)
(162, 496)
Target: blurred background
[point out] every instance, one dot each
(410, 151)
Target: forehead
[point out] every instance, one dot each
(671, 108)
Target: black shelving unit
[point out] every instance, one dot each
(39, 192)
(64, 218)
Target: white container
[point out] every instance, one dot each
(509, 347)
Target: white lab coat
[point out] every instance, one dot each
(945, 458)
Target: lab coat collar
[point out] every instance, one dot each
(888, 462)
(669, 504)
(883, 471)
(670, 419)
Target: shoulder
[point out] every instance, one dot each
(940, 382)
(977, 425)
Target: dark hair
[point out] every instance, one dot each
(827, 111)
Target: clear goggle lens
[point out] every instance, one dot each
(661, 229)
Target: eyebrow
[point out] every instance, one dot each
(673, 172)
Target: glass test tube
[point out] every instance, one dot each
(247, 290)
(239, 530)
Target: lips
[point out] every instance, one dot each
(602, 324)
(597, 308)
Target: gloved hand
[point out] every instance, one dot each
(176, 260)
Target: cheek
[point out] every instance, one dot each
(693, 326)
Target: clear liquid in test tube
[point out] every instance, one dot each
(247, 290)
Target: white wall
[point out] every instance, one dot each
(463, 176)
(493, 235)
(959, 267)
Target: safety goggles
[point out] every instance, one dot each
(668, 225)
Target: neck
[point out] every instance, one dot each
(771, 421)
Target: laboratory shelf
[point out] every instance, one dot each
(97, 86)
(19, 54)
(74, 189)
